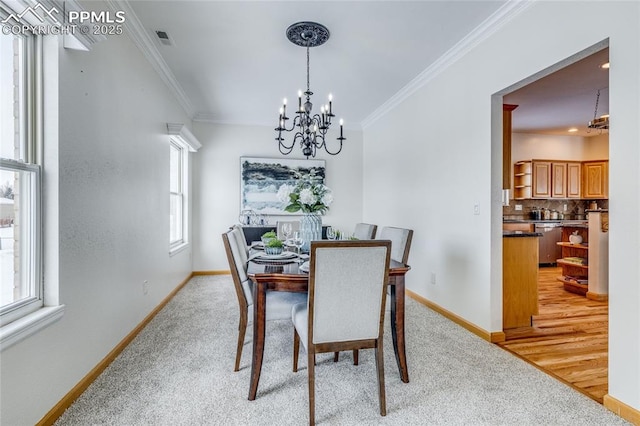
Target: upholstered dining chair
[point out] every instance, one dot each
(400, 247)
(400, 242)
(279, 303)
(365, 231)
(345, 310)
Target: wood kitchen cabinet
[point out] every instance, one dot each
(595, 179)
(556, 179)
(519, 280)
(541, 185)
(574, 179)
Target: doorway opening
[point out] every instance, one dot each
(550, 139)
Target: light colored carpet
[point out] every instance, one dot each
(179, 371)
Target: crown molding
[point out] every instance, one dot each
(504, 14)
(181, 132)
(141, 39)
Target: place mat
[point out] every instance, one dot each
(274, 259)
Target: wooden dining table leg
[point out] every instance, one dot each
(397, 326)
(259, 317)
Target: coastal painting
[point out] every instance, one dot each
(260, 179)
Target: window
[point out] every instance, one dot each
(21, 289)
(177, 167)
(181, 143)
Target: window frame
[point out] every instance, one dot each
(18, 324)
(30, 129)
(182, 175)
(23, 307)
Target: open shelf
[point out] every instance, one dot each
(573, 286)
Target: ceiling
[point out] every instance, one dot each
(234, 63)
(563, 99)
(231, 62)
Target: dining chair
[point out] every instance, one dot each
(400, 247)
(295, 226)
(365, 231)
(345, 308)
(400, 242)
(279, 303)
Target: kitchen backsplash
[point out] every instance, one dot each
(575, 208)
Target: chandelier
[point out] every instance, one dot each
(602, 122)
(310, 129)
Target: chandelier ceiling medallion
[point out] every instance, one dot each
(310, 129)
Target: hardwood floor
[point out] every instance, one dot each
(569, 337)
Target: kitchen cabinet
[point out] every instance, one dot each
(554, 179)
(574, 179)
(519, 280)
(595, 179)
(522, 180)
(541, 186)
(558, 180)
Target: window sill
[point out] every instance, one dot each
(22, 328)
(177, 249)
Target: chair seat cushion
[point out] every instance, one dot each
(300, 318)
(279, 304)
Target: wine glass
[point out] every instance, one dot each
(297, 241)
(286, 230)
(331, 233)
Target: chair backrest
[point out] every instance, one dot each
(241, 237)
(400, 242)
(234, 247)
(295, 226)
(365, 231)
(347, 290)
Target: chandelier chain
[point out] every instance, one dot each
(595, 113)
(308, 86)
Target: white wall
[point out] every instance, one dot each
(217, 183)
(113, 222)
(526, 146)
(447, 157)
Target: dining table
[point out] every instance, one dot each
(289, 277)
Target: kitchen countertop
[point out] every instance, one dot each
(511, 234)
(558, 221)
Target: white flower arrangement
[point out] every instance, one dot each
(307, 195)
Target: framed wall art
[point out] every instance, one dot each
(260, 179)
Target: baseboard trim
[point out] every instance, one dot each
(212, 272)
(597, 296)
(622, 410)
(76, 391)
(493, 337)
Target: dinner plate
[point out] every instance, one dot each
(304, 267)
(282, 256)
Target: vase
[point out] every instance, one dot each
(310, 229)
